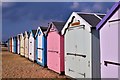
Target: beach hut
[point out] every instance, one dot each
(109, 29)
(9, 44)
(22, 48)
(82, 58)
(55, 47)
(26, 43)
(15, 44)
(32, 46)
(18, 44)
(12, 45)
(41, 46)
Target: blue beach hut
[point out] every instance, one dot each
(15, 44)
(41, 46)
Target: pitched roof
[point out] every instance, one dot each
(18, 35)
(100, 15)
(92, 19)
(43, 29)
(109, 14)
(15, 37)
(59, 25)
(34, 32)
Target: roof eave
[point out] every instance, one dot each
(109, 14)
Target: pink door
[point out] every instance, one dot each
(53, 51)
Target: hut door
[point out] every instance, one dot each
(18, 46)
(80, 55)
(26, 46)
(39, 48)
(31, 48)
(22, 46)
(69, 53)
(53, 51)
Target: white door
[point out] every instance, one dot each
(80, 58)
(31, 48)
(76, 44)
(18, 45)
(12, 45)
(26, 47)
(69, 54)
(39, 48)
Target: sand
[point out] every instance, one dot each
(15, 66)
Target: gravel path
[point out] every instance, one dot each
(15, 66)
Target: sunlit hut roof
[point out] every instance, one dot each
(91, 18)
(59, 25)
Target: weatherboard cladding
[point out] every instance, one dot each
(91, 18)
(108, 15)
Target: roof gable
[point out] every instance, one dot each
(33, 32)
(108, 16)
(92, 18)
(58, 25)
(26, 34)
(41, 29)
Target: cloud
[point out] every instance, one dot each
(93, 7)
(97, 7)
(75, 5)
(107, 10)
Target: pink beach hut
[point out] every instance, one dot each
(55, 47)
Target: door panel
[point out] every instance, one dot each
(39, 49)
(69, 53)
(53, 51)
(26, 47)
(22, 47)
(31, 49)
(54, 62)
(69, 66)
(81, 47)
(18, 46)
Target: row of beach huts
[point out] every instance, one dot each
(86, 46)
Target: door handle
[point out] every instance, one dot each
(52, 51)
(109, 62)
(76, 54)
(39, 58)
(40, 48)
(81, 55)
(70, 54)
